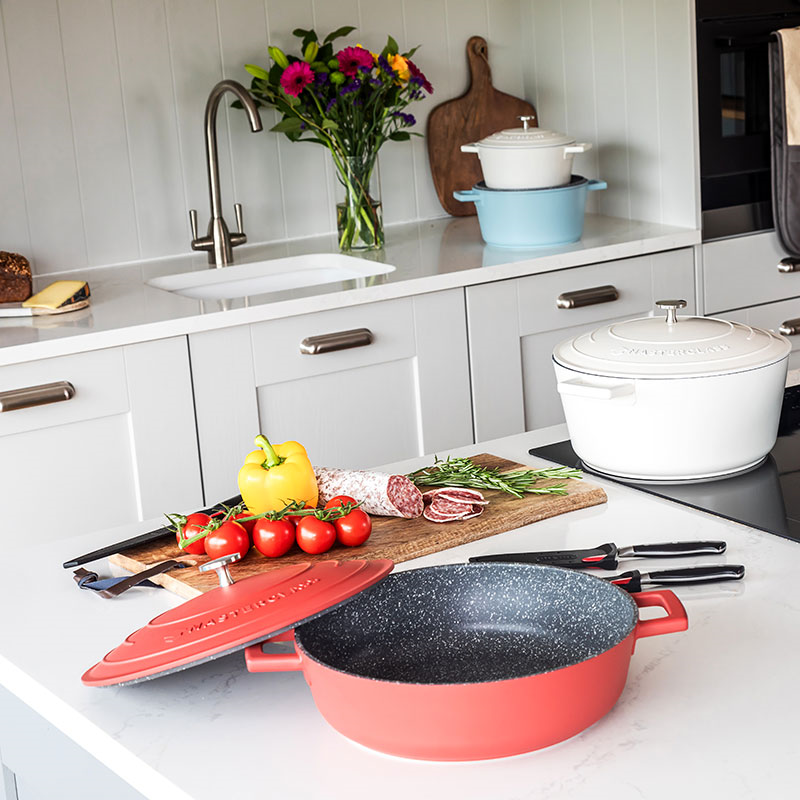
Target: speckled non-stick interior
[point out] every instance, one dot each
(470, 623)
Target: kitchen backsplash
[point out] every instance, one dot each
(101, 112)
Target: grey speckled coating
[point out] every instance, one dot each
(471, 623)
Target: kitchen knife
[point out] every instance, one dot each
(635, 581)
(142, 538)
(606, 556)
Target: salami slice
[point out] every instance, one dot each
(462, 495)
(442, 506)
(434, 516)
(378, 492)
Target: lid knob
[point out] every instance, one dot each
(221, 567)
(526, 121)
(671, 307)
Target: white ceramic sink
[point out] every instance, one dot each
(275, 275)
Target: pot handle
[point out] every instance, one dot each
(257, 660)
(578, 147)
(595, 186)
(676, 619)
(472, 147)
(468, 196)
(580, 388)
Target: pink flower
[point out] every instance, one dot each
(351, 59)
(296, 77)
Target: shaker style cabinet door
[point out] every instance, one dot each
(97, 439)
(357, 386)
(515, 324)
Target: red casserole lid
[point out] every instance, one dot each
(232, 617)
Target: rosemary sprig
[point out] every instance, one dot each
(465, 472)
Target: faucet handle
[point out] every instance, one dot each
(237, 209)
(193, 222)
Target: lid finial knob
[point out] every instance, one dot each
(671, 307)
(526, 121)
(221, 566)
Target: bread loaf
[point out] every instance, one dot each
(15, 278)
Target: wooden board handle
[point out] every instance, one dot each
(480, 73)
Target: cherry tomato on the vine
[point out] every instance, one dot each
(354, 528)
(229, 538)
(194, 525)
(315, 535)
(340, 500)
(273, 537)
(248, 526)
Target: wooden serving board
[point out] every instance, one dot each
(392, 537)
(479, 112)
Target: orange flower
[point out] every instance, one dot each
(400, 66)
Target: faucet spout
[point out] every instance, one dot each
(219, 242)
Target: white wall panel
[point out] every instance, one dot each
(102, 147)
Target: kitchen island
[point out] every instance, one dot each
(710, 712)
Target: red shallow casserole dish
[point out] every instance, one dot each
(460, 662)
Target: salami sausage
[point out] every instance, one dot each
(378, 492)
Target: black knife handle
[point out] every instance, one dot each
(630, 581)
(707, 574)
(602, 557)
(672, 549)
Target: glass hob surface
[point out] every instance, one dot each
(767, 497)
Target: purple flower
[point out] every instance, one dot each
(417, 76)
(320, 78)
(331, 104)
(353, 86)
(385, 65)
(407, 119)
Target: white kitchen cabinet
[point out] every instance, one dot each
(743, 271)
(405, 394)
(123, 448)
(773, 316)
(515, 324)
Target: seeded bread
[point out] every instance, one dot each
(15, 278)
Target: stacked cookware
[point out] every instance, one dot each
(529, 196)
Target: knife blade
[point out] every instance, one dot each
(142, 538)
(606, 556)
(635, 581)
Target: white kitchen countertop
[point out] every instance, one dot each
(707, 713)
(429, 256)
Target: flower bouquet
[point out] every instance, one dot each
(351, 101)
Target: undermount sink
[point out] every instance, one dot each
(275, 275)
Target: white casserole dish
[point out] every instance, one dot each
(675, 399)
(526, 158)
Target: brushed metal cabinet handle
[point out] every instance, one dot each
(791, 327)
(587, 297)
(40, 395)
(789, 264)
(340, 340)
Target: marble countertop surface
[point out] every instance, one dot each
(428, 256)
(709, 712)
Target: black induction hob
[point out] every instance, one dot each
(767, 497)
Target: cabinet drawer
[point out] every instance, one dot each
(538, 295)
(100, 389)
(276, 344)
(743, 272)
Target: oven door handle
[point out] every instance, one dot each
(737, 42)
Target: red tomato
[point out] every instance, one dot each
(248, 526)
(340, 500)
(273, 538)
(194, 525)
(315, 535)
(354, 528)
(229, 538)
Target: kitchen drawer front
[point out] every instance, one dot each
(100, 383)
(538, 295)
(743, 271)
(771, 316)
(276, 344)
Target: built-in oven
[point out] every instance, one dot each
(733, 94)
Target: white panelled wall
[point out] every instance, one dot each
(101, 112)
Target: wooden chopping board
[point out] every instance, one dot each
(481, 111)
(392, 537)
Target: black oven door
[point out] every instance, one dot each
(733, 95)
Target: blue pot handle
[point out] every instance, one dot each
(469, 196)
(596, 185)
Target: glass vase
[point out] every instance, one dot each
(359, 218)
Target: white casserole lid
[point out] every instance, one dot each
(525, 138)
(671, 347)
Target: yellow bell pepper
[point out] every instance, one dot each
(274, 475)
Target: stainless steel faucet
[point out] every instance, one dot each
(219, 241)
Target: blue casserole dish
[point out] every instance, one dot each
(531, 217)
